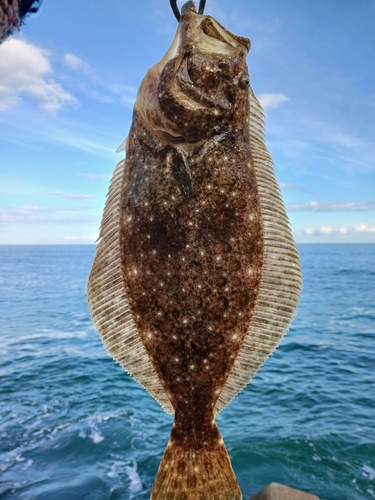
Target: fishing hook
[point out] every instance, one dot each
(176, 11)
(202, 5)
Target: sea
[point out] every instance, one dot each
(75, 426)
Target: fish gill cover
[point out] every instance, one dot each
(196, 277)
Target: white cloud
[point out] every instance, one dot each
(82, 239)
(97, 87)
(326, 230)
(270, 101)
(314, 206)
(93, 177)
(45, 215)
(71, 196)
(346, 230)
(25, 69)
(306, 141)
(90, 137)
(100, 96)
(75, 63)
(364, 228)
(294, 187)
(127, 94)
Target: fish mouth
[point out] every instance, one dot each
(192, 89)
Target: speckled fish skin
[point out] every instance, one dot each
(196, 277)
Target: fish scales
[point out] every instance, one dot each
(196, 277)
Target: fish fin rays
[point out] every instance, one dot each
(123, 146)
(199, 474)
(281, 278)
(108, 302)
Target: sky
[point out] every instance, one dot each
(69, 78)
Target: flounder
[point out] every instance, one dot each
(196, 277)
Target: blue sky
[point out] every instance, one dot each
(68, 81)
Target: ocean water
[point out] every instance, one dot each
(74, 426)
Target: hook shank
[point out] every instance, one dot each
(202, 5)
(176, 11)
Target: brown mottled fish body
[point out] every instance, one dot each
(196, 277)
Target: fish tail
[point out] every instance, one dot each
(196, 474)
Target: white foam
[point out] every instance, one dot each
(96, 436)
(135, 481)
(116, 469)
(368, 472)
(113, 473)
(59, 427)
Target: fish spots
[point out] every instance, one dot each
(222, 303)
(164, 326)
(175, 281)
(147, 284)
(243, 299)
(181, 466)
(191, 482)
(236, 282)
(143, 304)
(221, 281)
(190, 236)
(234, 265)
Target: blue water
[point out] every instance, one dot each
(74, 426)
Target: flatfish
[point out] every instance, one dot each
(196, 276)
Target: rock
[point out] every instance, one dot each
(276, 491)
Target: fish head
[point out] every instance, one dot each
(199, 86)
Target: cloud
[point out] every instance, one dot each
(93, 177)
(364, 228)
(294, 187)
(71, 196)
(90, 137)
(75, 63)
(79, 239)
(344, 230)
(127, 94)
(25, 69)
(308, 141)
(314, 206)
(100, 96)
(271, 101)
(95, 86)
(45, 215)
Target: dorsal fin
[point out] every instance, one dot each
(281, 279)
(106, 292)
